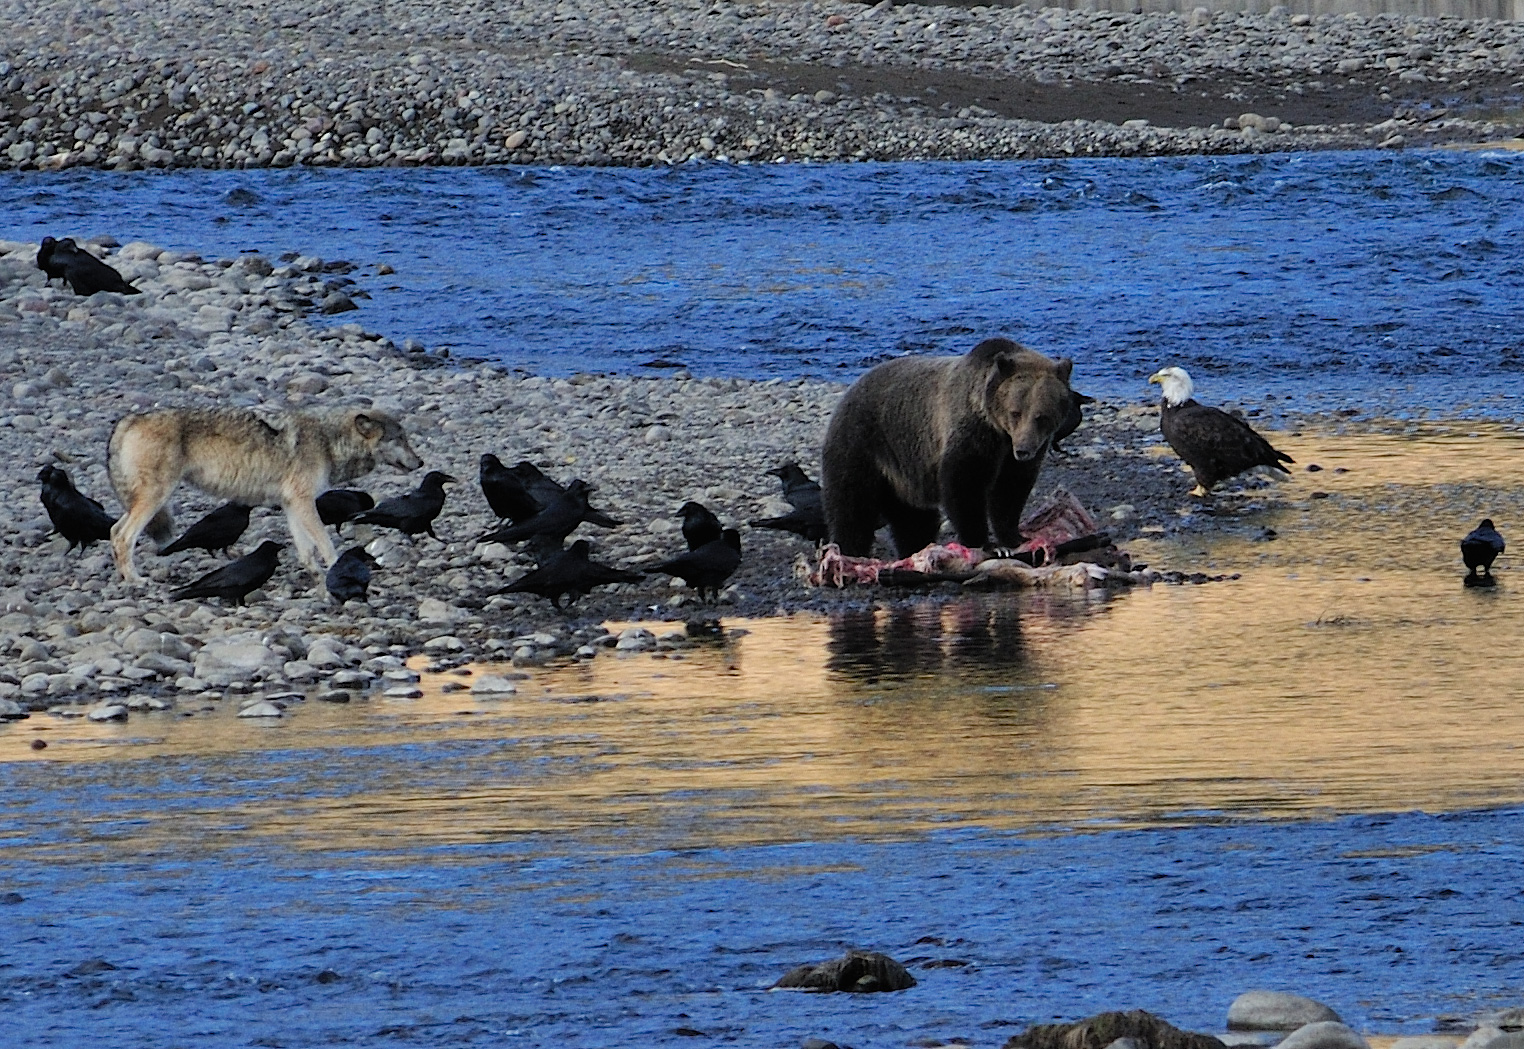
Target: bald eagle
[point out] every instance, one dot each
(1214, 444)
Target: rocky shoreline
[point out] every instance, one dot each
(245, 331)
(282, 83)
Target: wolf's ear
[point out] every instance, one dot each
(367, 427)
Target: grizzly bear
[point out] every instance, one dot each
(919, 436)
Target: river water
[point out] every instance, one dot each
(1309, 778)
(1385, 281)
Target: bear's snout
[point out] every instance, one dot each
(1024, 454)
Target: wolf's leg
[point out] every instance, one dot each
(144, 510)
(313, 547)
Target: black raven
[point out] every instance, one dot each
(53, 255)
(555, 522)
(709, 566)
(1071, 421)
(545, 491)
(807, 519)
(218, 530)
(411, 513)
(338, 505)
(78, 518)
(236, 581)
(87, 274)
(505, 491)
(349, 578)
(700, 526)
(568, 572)
(1479, 549)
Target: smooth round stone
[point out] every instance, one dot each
(334, 695)
(1276, 1011)
(261, 708)
(108, 712)
(1494, 1038)
(493, 685)
(1325, 1034)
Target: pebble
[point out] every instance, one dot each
(382, 97)
(261, 708)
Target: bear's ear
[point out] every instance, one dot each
(1005, 364)
(1065, 368)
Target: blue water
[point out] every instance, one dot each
(1384, 280)
(221, 885)
(218, 939)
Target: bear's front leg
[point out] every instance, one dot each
(965, 483)
(1008, 498)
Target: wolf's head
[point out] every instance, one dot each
(386, 439)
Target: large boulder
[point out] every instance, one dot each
(858, 971)
(1276, 1011)
(1103, 1029)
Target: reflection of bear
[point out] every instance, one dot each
(919, 435)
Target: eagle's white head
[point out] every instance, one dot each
(1175, 384)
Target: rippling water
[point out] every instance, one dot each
(1309, 778)
(1383, 280)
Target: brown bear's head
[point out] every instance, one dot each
(1026, 395)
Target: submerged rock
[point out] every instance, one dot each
(1103, 1029)
(859, 972)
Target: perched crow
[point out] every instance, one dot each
(568, 572)
(555, 522)
(236, 581)
(349, 578)
(709, 566)
(1071, 421)
(505, 491)
(338, 505)
(411, 513)
(801, 492)
(218, 530)
(807, 519)
(78, 518)
(87, 274)
(1479, 549)
(53, 255)
(545, 491)
(699, 525)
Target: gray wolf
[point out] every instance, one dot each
(280, 459)
(918, 436)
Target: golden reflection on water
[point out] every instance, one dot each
(1346, 671)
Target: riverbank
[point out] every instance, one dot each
(576, 83)
(246, 331)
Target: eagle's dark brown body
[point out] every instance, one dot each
(1214, 444)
